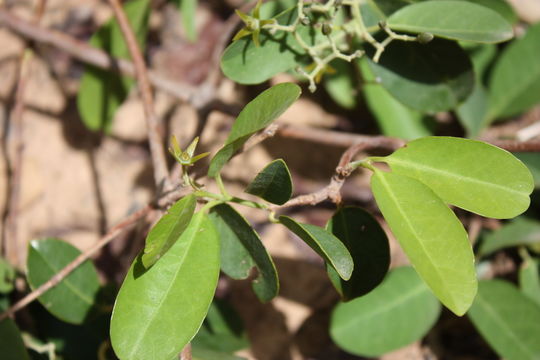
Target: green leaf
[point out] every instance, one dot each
(394, 118)
(431, 235)
(255, 116)
(188, 10)
(454, 20)
(222, 330)
(502, 7)
(529, 278)
(470, 174)
(472, 113)
(72, 299)
(168, 229)
(329, 247)
(431, 77)
(11, 342)
(341, 85)
(515, 81)
(521, 231)
(532, 161)
(159, 310)
(507, 319)
(398, 312)
(368, 246)
(102, 92)
(273, 183)
(242, 249)
(7, 276)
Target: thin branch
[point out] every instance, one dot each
(157, 151)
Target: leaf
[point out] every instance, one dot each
(394, 118)
(398, 312)
(472, 113)
(242, 249)
(7, 276)
(273, 183)
(11, 342)
(502, 7)
(431, 235)
(188, 10)
(329, 247)
(74, 297)
(515, 81)
(521, 231)
(507, 319)
(368, 246)
(102, 92)
(158, 311)
(529, 278)
(255, 116)
(341, 85)
(454, 20)
(168, 229)
(532, 161)
(469, 174)
(222, 330)
(437, 76)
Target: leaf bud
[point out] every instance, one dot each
(424, 38)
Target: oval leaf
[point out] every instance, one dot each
(454, 20)
(398, 312)
(368, 246)
(507, 319)
(273, 183)
(242, 249)
(73, 298)
(521, 231)
(470, 174)
(329, 247)
(159, 310)
(255, 116)
(168, 229)
(11, 341)
(101, 92)
(431, 235)
(437, 76)
(515, 82)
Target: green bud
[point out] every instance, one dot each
(326, 29)
(424, 38)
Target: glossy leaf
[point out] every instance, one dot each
(7, 276)
(521, 231)
(431, 77)
(529, 278)
(431, 235)
(368, 245)
(507, 319)
(515, 80)
(532, 161)
(454, 20)
(73, 299)
(394, 118)
(255, 116)
(11, 341)
(168, 229)
(101, 92)
(273, 183)
(329, 247)
(470, 174)
(159, 310)
(398, 312)
(242, 249)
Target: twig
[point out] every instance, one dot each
(157, 151)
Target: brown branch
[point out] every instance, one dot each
(157, 151)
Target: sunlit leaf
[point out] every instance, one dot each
(273, 183)
(11, 342)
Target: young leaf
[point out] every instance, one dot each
(168, 229)
(242, 249)
(273, 183)
(11, 342)
(507, 319)
(72, 299)
(521, 231)
(398, 312)
(454, 20)
(470, 174)
(368, 245)
(102, 92)
(529, 278)
(515, 80)
(329, 247)
(255, 116)
(431, 235)
(159, 310)
(436, 76)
